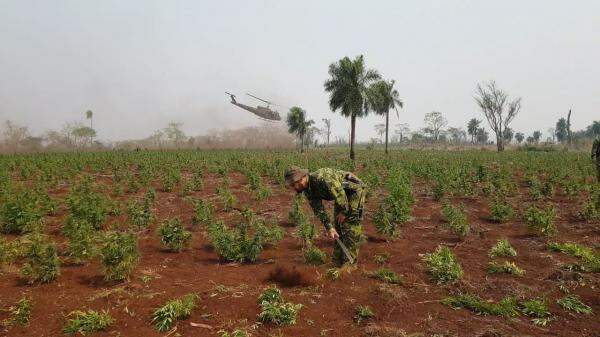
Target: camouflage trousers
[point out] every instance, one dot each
(350, 231)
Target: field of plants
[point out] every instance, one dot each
(211, 243)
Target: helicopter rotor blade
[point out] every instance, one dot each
(258, 98)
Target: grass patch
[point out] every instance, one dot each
(590, 261)
(505, 268)
(456, 219)
(362, 313)
(574, 303)
(20, 313)
(386, 275)
(88, 322)
(506, 307)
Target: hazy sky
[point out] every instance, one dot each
(140, 64)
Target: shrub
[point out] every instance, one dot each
(456, 219)
(203, 212)
(20, 213)
(234, 244)
(173, 235)
(363, 312)
(275, 309)
(267, 233)
(82, 240)
(505, 268)
(573, 303)
(178, 309)
(502, 248)
(386, 275)
(20, 313)
(541, 220)
(296, 216)
(42, 263)
(591, 208)
(443, 266)
(500, 210)
(85, 204)
(140, 213)
(88, 322)
(120, 255)
(227, 198)
(314, 256)
(384, 224)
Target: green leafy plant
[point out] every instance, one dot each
(363, 313)
(20, 213)
(382, 258)
(574, 303)
(384, 223)
(538, 309)
(505, 268)
(502, 248)
(87, 322)
(500, 210)
(591, 208)
(82, 240)
(235, 244)
(314, 256)
(178, 309)
(203, 212)
(275, 309)
(140, 213)
(506, 307)
(590, 261)
(541, 220)
(456, 219)
(41, 259)
(386, 275)
(20, 313)
(234, 333)
(120, 255)
(227, 198)
(86, 204)
(296, 216)
(443, 266)
(173, 235)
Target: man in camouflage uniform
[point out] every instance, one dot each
(596, 154)
(348, 193)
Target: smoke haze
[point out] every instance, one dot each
(141, 64)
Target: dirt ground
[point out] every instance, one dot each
(229, 291)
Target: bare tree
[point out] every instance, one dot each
(497, 109)
(380, 129)
(435, 122)
(14, 135)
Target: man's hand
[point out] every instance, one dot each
(340, 218)
(333, 234)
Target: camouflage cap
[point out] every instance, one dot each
(293, 174)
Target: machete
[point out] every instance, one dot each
(345, 250)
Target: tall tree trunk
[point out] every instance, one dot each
(569, 127)
(352, 126)
(301, 143)
(499, 143)
(387, 123)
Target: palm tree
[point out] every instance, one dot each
(89, 115)
(298, 124)
(383, 97)
(348, 90)
(472, 127)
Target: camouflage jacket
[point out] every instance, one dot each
(596, 149)
(330, 184)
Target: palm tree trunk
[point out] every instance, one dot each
(352, 126)
(387, 123)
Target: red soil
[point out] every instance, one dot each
(229, 291)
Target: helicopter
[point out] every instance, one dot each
(264, 113)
